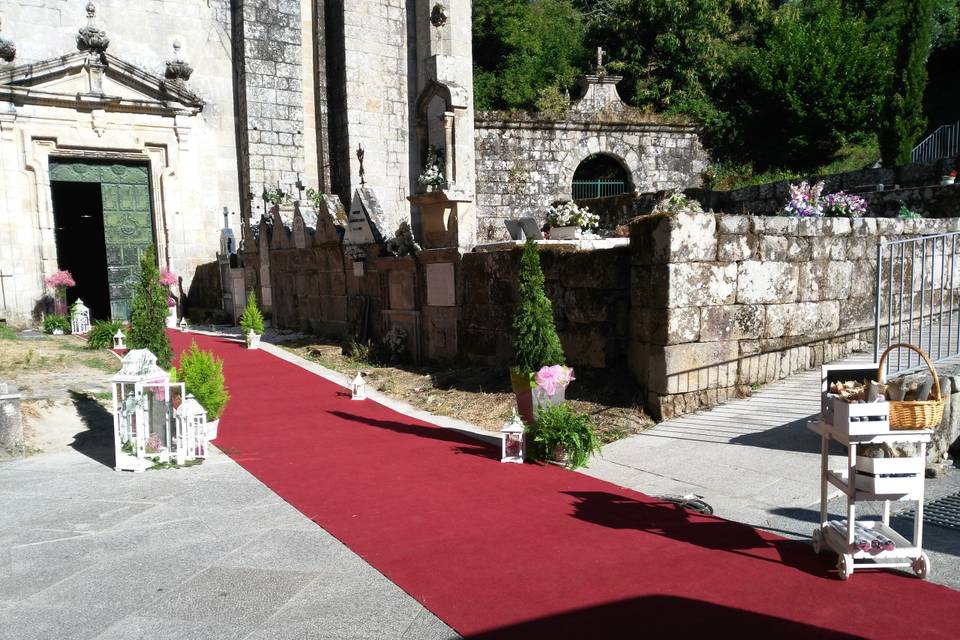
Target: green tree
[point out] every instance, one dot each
(535, 340)
(252, 319)
(525, 51)
(903, 119)
(149, 311)
(202, 375)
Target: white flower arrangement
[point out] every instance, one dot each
(432, 176)
(568, 214)
(355, 252)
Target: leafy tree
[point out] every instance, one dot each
(535, 340)
(524, 50)
(903, 118)
(149, 311)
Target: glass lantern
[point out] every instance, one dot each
(183, 325)
(191, 437)
(358, 388)
(514, 445)
(144, 402)
(119, 340)
(79, 318)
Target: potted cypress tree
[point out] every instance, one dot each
(252, 322)
(202, 374)
(148, 314)
(535, 340)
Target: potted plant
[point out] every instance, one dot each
(168, 279)
(567, 220)
(252, 323)
(949, 178)
(551, 381)
(535, 340)
(431, 178)
(561, 435)
(60, 282)
(56, 324)
(202, 374)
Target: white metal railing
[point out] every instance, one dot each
(944, 142)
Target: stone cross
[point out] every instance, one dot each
(360, 154)
(600, 54)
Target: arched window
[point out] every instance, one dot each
(600, 176)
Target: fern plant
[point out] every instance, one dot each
(559, 429)
(149, 311)
(101, 333)
(535, 340)
(252, 319)
(55, 321)
(202, 373)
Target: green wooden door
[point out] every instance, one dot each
(127, 221)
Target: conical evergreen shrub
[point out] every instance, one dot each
(252, 319)
(148, 316)
(535, 340)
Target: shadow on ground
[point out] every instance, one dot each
(96, 442)
(468, 445)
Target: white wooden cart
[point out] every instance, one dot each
(898, 479)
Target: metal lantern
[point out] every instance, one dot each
(119, 340)
(79, 318)
(191, 437)
(514, 445)
(358, 388)
(183, 325)
(144, 402)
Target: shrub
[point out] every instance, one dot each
(558, 427)
(202, 373)
(102, 332)
(252, 319)
(55, 321)
(148, 317)
(535, 340)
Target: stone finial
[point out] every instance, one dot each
(439, 15)
(91, 38)
(7, 49)
(178, 69)
(600, 70)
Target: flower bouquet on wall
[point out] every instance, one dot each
(567, 220)
(432, 177)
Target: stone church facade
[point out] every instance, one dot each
(127, 125)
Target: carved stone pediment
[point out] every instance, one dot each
(76, 81)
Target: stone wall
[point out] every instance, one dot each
(525, 163)
(722, 302)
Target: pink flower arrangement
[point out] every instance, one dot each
(554, 378)
(168, 278)
(60, 280)
(171, 302)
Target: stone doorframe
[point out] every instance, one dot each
(39, 154)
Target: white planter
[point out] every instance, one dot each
(542, 399)
(253, 340)
(212, 426)
(565, 233)
(172, 319)
(58, 332)
(896, 476)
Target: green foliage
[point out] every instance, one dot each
(252, 319)
(202, 374)
(903, 120)
(535, 340)
(7, 333)
(558, 427)
(906, 213)
(148, 316)
(101, 333)
(522, 48)
(54, 321)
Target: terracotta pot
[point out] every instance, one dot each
(523, 384)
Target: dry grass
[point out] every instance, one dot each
(52, 354)
(482, 395)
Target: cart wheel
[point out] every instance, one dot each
(845, 565)
(817, 541)
(921, 566)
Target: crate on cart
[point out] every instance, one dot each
(892, 476)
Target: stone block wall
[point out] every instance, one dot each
(525, 163)
(723, 302)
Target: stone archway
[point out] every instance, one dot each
(600, 176)
(589, 146)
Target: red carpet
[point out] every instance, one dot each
(525, 551)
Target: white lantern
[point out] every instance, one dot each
(191, 430)
(183, 325)
(119, 340)
(144, 402)
(514, 445)
(79, 318)
(358, 388)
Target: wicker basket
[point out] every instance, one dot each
(914, 414)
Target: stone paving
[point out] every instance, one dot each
(204, 552)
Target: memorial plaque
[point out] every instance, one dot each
(401, 290)
(441, 286)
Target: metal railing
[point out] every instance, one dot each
(917, 300)
(598, 188)
(944, 142)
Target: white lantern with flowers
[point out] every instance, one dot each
(358, 388)
(514, 445)
(79, 318)
(191, 430)
(144, 403)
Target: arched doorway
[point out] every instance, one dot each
(600, 176)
